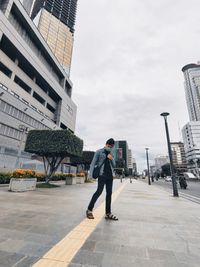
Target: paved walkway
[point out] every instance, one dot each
(154, 229)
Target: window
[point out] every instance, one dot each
(50, 108)
(5, 70)
(39, 98)
(22, 84)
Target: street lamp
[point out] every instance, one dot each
(175, 190)
(24, 131)
(148, 172)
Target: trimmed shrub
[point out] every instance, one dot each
(5, 177)
(53, 146)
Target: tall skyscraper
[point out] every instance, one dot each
(179, 157)
(55, 21)
(122, 147)
(191, 139)
(191, 131)
(192, 90)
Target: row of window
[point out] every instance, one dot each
(10, 132)
(28, 89)
(23, 100)
(24, 86)
(21, 30)
(16, 113)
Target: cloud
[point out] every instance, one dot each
(126, 70)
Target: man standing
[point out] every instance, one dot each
(105, 160)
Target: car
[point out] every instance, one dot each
(168, 179)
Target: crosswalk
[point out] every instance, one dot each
(190, 197)
(183, 195)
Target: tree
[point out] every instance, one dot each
(166, 169)
(85, 160)
(53, 146)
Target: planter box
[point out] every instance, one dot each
(80, 180)
(70, 180)
(21, 185)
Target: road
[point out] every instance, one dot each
(191, 193)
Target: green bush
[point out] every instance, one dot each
(5, 177)
(53, 143)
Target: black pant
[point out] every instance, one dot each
(103, 180)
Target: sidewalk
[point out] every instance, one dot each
(154, 229)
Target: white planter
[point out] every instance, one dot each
(80, 180)
(70, 180)
(21, 185)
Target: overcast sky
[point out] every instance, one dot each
(126, 70)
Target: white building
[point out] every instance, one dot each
(130, 159)
(160, 161)
(191, 138)
(192, 90)
(35, 91)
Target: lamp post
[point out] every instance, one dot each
(175, 190)
(147, 156)
(24, 130)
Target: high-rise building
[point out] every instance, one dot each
(192, 90)
(134, 167)
(35, 91)
(191, 131)
(55, 20)
(191, 139)
(130, 161)
(160, 161)
(179, 157)
(122, 147)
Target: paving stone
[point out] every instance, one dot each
(9, 259)
(154, 229)
(104, 246)
(89, 245)
(113, 260)
(134, 251)
(26, 262)
(88, 258)
(33, 249)
(161, 254)
(12, 245)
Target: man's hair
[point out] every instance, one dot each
(110, 142)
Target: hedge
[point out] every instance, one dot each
(55, 143)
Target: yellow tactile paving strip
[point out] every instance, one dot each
(64, 251)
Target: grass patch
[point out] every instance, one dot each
(44, 185)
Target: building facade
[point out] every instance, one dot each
(192, 90)
(179, 157)
(35, 91)
(130, 162)
(160, 161)
(122, 148)
(191, 138)
(55, 21)
(191, 131)
(135, 172)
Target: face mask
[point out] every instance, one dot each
(108, 149)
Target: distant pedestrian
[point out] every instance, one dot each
(104, 159)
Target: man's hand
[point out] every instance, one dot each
(110, 156)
